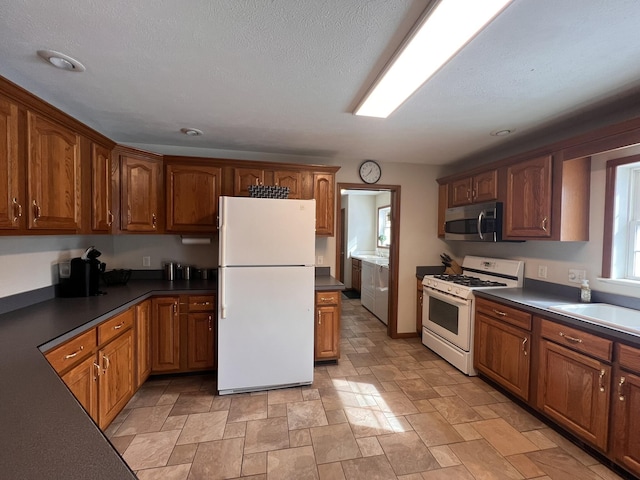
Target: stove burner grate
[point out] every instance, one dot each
(469, 281)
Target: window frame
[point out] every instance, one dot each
(609, 214)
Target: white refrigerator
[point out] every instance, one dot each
(265, 293)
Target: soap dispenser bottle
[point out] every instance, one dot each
(585, 292)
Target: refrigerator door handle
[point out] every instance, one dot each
(222, 230)
(223, 306)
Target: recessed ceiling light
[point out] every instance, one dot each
(442, 32)
(60, 60)
(502, 132)
(191, 132)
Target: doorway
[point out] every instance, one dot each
(392, 243)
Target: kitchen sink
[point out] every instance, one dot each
(605, 314)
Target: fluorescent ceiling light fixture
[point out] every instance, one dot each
(438, 36)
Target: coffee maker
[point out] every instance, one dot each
(84, 275)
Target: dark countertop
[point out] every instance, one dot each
(45, 431)
(538, 303)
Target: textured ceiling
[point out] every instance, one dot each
(283, 76)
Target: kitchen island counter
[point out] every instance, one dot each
(46, 433)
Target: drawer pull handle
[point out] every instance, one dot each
(201, 303)
(74, 354)
(105, 361)
(601, 380)
(319, 318)
(110, 218)
(326, 299)
(154, 221)
(498, 312)
(543, 224)
(175, 309)
(210, 323)
(524, 342)
(620, 391)
(571, 339)
(119, 326)
(97, 371)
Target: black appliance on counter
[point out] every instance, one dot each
(84, 275)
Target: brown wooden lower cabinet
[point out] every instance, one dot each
(502, 354)
(200, 341)
(143, 342)
(327, 330)
(626, 408)
(82, 380)
(115, 383)
(165, 335)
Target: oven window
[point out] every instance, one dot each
(443, 314)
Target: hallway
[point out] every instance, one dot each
(391, 409)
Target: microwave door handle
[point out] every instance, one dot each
(480, 217)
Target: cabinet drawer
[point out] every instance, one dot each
(327, 298)
(72, 352)
(201, 303)
(577, 340)
(504, 313)
(629, 357)
(115, 326)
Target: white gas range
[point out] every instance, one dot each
(448, 308)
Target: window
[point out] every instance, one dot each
(384, 227)
(621, 256)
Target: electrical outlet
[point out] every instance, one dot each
(146, 261)
(542, 271)
(320, 259)
(577, 276)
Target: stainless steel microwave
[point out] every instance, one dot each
(481, 222)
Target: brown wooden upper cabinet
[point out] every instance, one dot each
(192, 193)
(246, 177)
(323, 192)
(529, 196)
(243, 178)
(290, 179)
(11, 194)
(140, 186)
(101, 213)
(482, 187)
(53, 172)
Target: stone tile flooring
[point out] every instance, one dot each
(390, 409)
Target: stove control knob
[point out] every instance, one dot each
(448, 289)
(457, 291)
(435, 284)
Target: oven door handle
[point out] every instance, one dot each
(480, 217)
(444, 297)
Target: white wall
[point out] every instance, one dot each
(559, 257)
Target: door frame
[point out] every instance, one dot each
(394, 248)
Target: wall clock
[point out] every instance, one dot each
(370, 171)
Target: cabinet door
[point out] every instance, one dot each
(626, 430)
(192, 198)
(574, 391)
(443, 204)
(245, 177)
(327, 332)
(502, 354)
(291, 179)
(485, 186)
(165, 335)
(355, 274)
(11, 195)
(116, 383)
(53, 172)
(323, 192)
(528, 202)
(101, 216)
(200, 341)
(143, 342)
(139, 190)
(461, 192)
(82, 380)
(419, 294)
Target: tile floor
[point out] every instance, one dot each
(391, 409)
